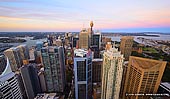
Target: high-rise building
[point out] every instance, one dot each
(32, 54)
(30, 78)
(42, 80)
(54, 68)
(83, 74)
(84, 40)
(21, 84)
(126, 46)
(24, 52)
(39, 45)
(14, 57)
(75, 39)
(143, 77)
(111, 73)
(9, 87)
(97, 70)
(96, 44)
(97, 40)
(2, 63)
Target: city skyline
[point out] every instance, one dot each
(108, 16)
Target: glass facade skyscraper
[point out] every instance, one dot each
(54, 68)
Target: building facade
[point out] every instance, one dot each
(82, 74)
(84, 39)
(54, 68)
(143, 77)
(2, 63)
(30, 78)
(24, 52)
(112, 71)
(14, 57)
(126, 46)
(97, 70)
(9, 87)
(96, 44)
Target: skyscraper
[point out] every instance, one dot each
(54, 68)
(75, 39)
(97, 70)
(96, 40)
(24, 52)
(83, 74)
(31, 82)
(39, 45)
(9, 87)
(126, 46)
(14, 57)
(111, 73)
(96, 44)
(143, 77)
(84, 40)
(2, 63)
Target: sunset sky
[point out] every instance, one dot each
(72, 15)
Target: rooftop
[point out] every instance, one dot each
(80, 52)
(144, 62)
(47, 96)
(165, 85)
(127, 37)
(97, 60)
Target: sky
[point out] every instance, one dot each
(73, 15)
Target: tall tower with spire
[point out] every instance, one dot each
(91, 27)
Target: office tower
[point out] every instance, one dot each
(30, 78)
(21, 84)
(54, 68)
(38, 57)
(75, 39)
(84, 40)
(111, 73)
(14, 57)
(42, 79)
(96, 44)
(50, 40)
(9, 87)
(24, 52)
(97, 70)
(57, 42)
(2, 63)
(97, 40)
(32, 54)
(83, 74)
(126, 46)
(125, 66)
(143, 77)
(39, 45)
(68, 38)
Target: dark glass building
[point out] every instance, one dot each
(83, 74)
(30, 78)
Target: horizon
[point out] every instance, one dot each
(67, 16)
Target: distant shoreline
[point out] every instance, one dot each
(12, 40)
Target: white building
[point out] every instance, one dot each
(9, 87)
(112, 71)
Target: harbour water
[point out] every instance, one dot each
(161, 37)
(31, 42)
